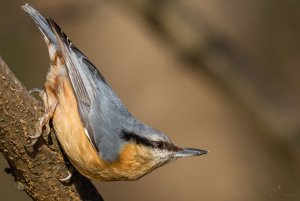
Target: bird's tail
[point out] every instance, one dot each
(42, 24)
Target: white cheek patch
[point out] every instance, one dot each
(162, 156)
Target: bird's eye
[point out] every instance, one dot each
(159, 145)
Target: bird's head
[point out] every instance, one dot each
(144, 152)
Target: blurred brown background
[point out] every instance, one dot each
(217, 75)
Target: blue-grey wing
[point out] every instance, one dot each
(99, 107)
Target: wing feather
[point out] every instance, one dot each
(81, 77)
(101, 110)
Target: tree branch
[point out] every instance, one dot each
(37, 172)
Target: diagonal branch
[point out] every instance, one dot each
(37, 172)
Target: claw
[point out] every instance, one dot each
(68, 178)
(40, 91)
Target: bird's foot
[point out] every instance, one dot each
(43, 120)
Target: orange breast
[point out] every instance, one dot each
(68, 126)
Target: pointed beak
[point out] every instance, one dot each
(185, 152)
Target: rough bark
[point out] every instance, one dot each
(36, 171)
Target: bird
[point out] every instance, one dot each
(100, 137)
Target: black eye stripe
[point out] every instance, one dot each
(137, 139)
(128, 136)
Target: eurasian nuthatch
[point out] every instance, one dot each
(102, 139)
